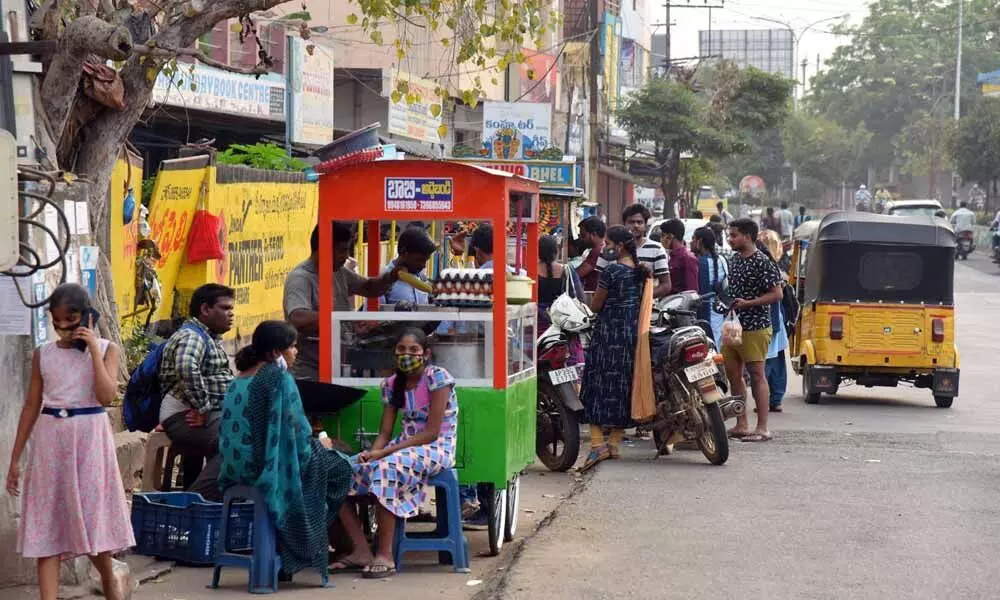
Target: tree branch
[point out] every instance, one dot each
(168, 53)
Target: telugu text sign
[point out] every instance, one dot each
(414, 119)
(421, 194)
(312, 93)
(516, 130)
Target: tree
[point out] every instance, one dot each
(822, 149)
(672, 119)
(144, 37)
(925, 144)
(976, 145)
(710, 117)
(899, 62)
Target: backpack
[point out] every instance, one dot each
(789, 307)
(141, 407)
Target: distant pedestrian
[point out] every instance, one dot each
(724, 214)
(683, 264)
(769, 221)
(775, 367)
(786, 222)
(802, 217)
(754, 284)
(74, 500)
(712, 274)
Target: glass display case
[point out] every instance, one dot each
(521, 334)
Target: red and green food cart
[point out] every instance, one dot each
(488, 348)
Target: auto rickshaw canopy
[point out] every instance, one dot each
(864, 257)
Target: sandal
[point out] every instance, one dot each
(348, 566)
(736, 434)
(614, 452)
(757, 437)
(379, 570)
(596, 455)
(777, 408)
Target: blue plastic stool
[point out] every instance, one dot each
(263, 562)
(447, 538)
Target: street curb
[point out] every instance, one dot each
(495, 586)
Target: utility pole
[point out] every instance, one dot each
(596, 26)
(805, 63)
(958, 94)
(666, 62)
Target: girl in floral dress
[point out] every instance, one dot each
(74, 500)
(395, 471)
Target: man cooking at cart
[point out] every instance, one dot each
(301, 298)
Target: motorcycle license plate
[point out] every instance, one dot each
(567, 375)
(699, 372)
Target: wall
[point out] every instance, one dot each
(15, 369)
(267, 217)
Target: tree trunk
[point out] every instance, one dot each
(672, 179)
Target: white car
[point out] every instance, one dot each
(913, 208)
(689, 227)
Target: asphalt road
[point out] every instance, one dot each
(872, 494)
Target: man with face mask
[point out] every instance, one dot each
(301, 301)
(415, 248)
(635, 218)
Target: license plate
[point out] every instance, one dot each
(699, 372)
(567, 375)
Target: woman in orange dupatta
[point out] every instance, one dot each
(615, 393)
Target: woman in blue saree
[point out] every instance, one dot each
(266, 441)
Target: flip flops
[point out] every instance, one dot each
(757, 437)
(595, 456)
(379, 570)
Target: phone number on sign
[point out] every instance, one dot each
(428, 205)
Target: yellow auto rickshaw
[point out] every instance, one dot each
(877, 304)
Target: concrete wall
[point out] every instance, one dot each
(15, 367)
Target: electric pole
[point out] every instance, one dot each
(666, 62)
(958, 94)
(596, 26)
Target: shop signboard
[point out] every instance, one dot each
(413, 119)
(421, 194)
(516, 130)
(200, 87)
(312, 92)
(552, 174)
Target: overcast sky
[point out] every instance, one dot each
(739, 14)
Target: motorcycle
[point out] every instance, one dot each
(996, 244)
(557, 441)
(966, 245)
(689, 386)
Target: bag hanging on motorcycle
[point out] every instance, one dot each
(568, 312)
(732, 330)
(643, 396)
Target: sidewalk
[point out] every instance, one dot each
(541, 494)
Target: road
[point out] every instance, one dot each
(872, 494)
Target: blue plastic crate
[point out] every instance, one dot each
(184, 527)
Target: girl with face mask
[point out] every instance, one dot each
(396, 470)
(265, 440)
(73, 497)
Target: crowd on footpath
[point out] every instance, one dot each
(623, 263)
(250, 428)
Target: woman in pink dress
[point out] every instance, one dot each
(74, 500)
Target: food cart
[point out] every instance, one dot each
(487, 345)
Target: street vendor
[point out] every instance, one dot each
(414, 248)
(301, 299)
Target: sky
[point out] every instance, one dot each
(739, 14)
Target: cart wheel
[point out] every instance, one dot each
(496, 511)
(513, 508)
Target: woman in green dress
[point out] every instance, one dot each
(266, 441)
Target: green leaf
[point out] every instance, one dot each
(352, 19)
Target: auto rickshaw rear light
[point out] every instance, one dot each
(836, 328)
(937, 330)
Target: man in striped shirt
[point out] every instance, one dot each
(636, 217)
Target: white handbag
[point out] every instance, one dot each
(568, 312)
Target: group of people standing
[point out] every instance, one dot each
(624, 267)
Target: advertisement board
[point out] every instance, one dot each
(516, 130)
(312, 92)
(413, 119)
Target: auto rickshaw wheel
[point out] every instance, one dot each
(810, 396)
(944, 401)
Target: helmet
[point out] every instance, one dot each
(862, 187)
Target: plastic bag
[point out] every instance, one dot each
(204, 241)
(732, 330)
(127, 584)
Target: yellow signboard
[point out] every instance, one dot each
(265, 234)
(124, 237)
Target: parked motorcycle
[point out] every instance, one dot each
(996, 244)
(966, 245)
(557, 438)
(687, 380)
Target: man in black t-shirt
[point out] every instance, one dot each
(754, 284)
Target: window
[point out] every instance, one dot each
(890, 271)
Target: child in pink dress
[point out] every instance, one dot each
(74, 501)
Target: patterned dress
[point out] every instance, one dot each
(74, 501)
(606, 392)
(398, 479)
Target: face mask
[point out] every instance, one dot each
(65, 334)
(610, 254)
(409, 363)
(282, 363)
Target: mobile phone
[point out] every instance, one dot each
(89, 319)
